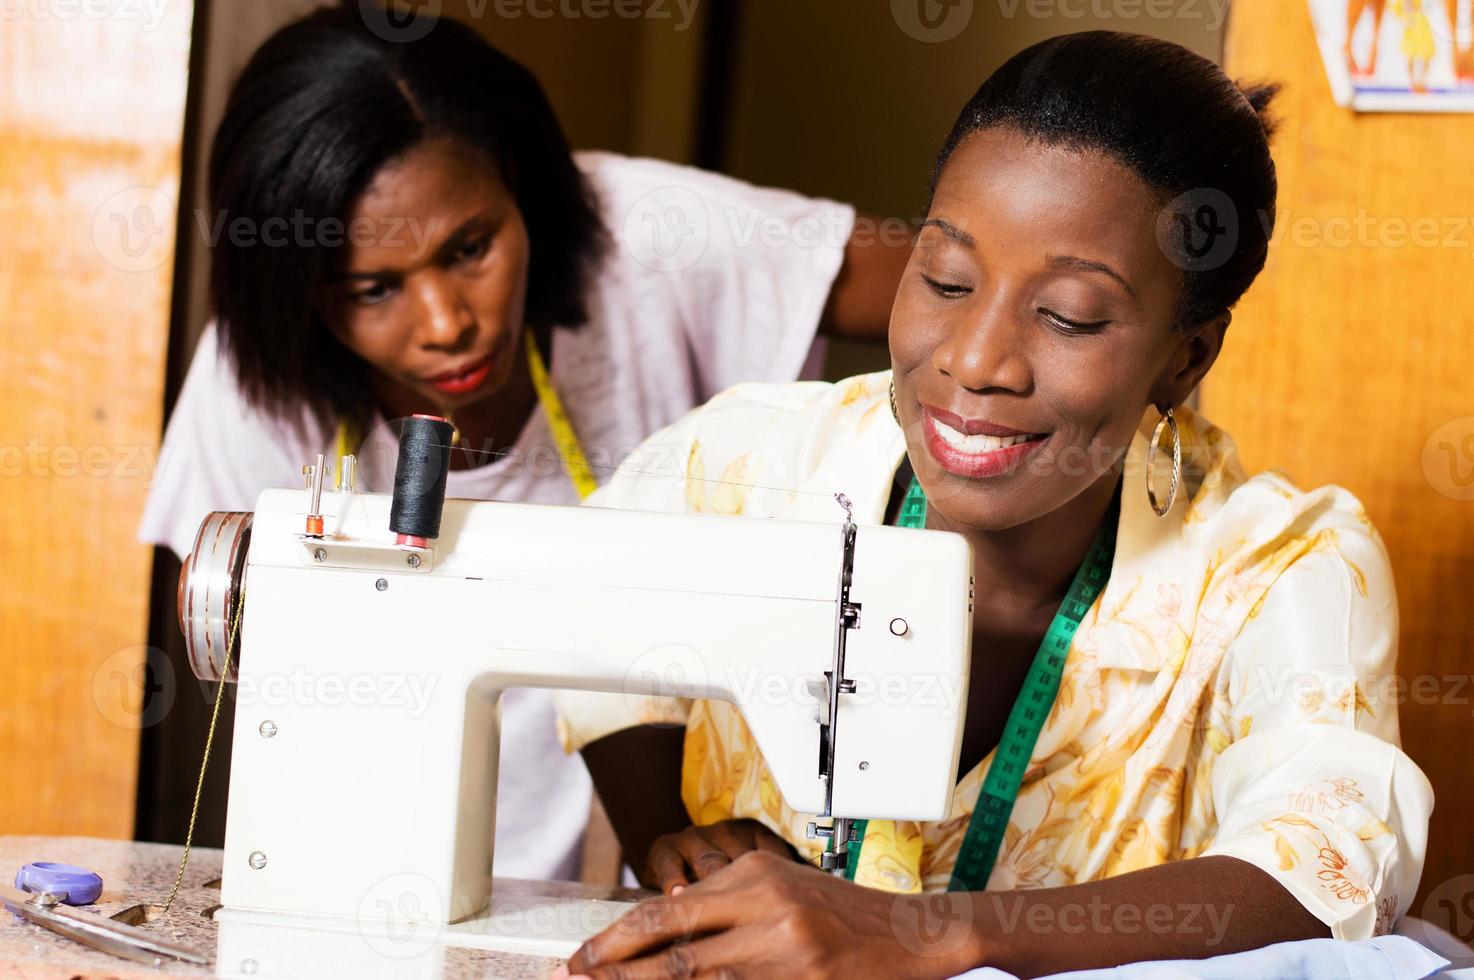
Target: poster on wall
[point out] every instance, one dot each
(1398, 55)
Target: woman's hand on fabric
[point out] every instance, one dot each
(676, 860)
(765, 916)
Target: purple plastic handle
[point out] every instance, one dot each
(82, 887)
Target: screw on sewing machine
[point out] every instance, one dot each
(319, 555)
(864, 766)
(257, 860)
(267, 729)
(381, 584)
(413, 561)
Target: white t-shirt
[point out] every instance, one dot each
(708, 282)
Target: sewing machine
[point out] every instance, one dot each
(845, 648)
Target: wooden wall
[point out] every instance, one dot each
(879, 91)
(92, 109)
(1350, 362)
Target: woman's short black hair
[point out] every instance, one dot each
(1172, 116)
(322, 106)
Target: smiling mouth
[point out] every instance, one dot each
(975, 445)
(976, 455)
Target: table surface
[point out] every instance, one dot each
(134, 873)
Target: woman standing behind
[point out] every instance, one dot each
(403, 229)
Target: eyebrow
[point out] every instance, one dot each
(1070, 262)
(1078, 264)
(950, 230)
(484, 216)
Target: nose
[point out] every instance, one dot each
(989, 351)
(445, 320)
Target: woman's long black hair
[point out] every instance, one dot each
(322, 106)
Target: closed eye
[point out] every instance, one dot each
(948, 290)
(1072, 326)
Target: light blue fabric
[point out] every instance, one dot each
(1383, 958)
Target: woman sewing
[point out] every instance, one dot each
(400, 228)
(1217, 760)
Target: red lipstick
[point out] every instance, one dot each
(464, 380)
(986, 458)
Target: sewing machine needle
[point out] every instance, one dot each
(90, 929)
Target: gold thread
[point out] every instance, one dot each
(194, 811)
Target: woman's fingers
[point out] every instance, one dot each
(738, 837)
(649, 927)
(711, 956)
(696, 853)
(703, 857)
(678, 859)
(666, 866)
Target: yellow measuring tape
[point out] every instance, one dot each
(569, 448)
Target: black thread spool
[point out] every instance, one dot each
(419, 479)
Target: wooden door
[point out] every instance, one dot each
(1350, 362)
(92, 108)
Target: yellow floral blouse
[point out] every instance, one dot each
(1229, 692)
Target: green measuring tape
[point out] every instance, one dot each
(1000, 789)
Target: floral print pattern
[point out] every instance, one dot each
(1217, 698)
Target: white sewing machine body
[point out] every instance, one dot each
(364, 769)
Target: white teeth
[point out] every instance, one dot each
(977, 444)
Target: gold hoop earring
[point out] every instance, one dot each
(894, 414)
(1151, 458)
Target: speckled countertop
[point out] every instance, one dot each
(143, 873)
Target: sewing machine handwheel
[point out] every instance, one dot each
(209, 590)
